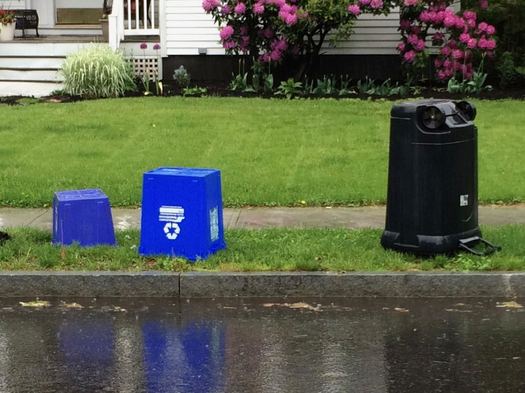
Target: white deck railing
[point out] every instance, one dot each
(131, 17)
(139, 17)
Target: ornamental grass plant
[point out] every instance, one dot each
(97, 72)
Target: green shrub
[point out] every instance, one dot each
(96, 72)
(289, 88)
(475, 86)
(506, 70)
(181, 76)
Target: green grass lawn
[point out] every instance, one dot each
(271, 152)
(263, 250)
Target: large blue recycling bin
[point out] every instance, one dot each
(84, 217)
(182, 213)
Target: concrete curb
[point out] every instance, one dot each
(89, 284)
(273, 284)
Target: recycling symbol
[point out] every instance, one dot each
(172, 230)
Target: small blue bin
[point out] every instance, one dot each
(182, 213)
(84, 217)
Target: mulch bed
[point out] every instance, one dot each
(223, 91)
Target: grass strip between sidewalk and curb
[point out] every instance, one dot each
(261, 250)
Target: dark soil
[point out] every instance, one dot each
(12, 100)
(222, 90)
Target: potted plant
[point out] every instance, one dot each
(7, 25)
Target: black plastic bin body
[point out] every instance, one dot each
(432, 180)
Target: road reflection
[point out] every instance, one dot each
(256, 346)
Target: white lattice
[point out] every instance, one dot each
(146, 66)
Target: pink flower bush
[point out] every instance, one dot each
(271, 29)
(464, 36)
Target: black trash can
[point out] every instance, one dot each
(432, 202)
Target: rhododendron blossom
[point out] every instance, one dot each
(464, 37)
(376, 4)
(472, 43)
(240, 8)
(354, 9)
(226, 33)
(409, 56)
(410, 3)
(258, 8)
(210, 5)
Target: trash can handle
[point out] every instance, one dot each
(489, 247)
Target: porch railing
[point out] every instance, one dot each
(116, 24)
(139, 17)
(132, 17)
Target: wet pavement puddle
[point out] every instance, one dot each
(262, 345)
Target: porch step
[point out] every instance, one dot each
(24, 62)
(30, 74)
(31, 67)
(69, 30)
(22, 48)
(28, 88)
(141, 38)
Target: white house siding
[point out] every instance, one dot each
(13, 4)
(189, 28)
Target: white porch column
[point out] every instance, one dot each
(46, 12)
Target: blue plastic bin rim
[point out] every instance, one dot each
(181, 171)
(74, 195)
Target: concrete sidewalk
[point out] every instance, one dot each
(261, 217)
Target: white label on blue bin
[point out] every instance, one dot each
(214, 224)
(172, 216)
(463, 200)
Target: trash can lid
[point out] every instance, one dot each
(74, 195)
(409, 109)
(182, 171)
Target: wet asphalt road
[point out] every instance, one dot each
(374, 345)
